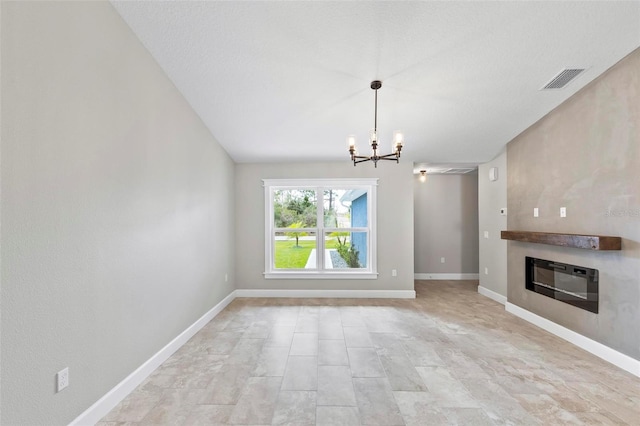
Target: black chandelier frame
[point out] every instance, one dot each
(375, 157)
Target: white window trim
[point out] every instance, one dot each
(371, 272)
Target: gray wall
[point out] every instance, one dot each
(585, 156)
(116, 208)
(446, 224)
(492, 196)
(394, 215)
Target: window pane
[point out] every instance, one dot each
(295, 250)
(345, 250)
(295, 206)
(345, 208)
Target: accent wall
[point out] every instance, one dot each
(584, 156)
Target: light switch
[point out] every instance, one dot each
(486, 234)
(563, 212)
(535, 212)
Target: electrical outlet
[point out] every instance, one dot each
(486, 271)
(535, 212)
(563, 212)
(442, 260)
(63, 378)
(486, 234)
(394, 272)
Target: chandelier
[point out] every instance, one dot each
(398, 139)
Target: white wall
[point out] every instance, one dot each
(492, 196)
(394, 215)
(446, 224)
(116, 208)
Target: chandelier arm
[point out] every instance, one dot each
(363, 160)
(392, 156)
(388, 157)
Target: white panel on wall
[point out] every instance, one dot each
(493, 174)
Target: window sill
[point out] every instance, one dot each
(297, 275)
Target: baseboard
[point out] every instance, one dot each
(355, 294)
(429, 276)
(112, 398)
(598, 349)
(492, 295)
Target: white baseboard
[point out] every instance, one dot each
(429, 276)
(598, 349)
(355, 294)
(112, 398)
(492, 295)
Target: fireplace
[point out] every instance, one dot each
(571, 284)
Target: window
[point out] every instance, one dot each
(320, 228)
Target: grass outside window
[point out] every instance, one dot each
(288, 256)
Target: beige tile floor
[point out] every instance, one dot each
(451, 356)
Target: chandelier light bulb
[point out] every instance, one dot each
(373, 137)
(351, 141)
(423, 176)
(398, 138)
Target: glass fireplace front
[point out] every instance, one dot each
(571, 284)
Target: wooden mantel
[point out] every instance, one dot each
(590, 242)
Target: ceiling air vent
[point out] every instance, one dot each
(449, 171)
(563, 78)
(458, 171)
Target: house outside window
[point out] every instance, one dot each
(320, 228)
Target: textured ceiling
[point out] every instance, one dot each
(285, 81)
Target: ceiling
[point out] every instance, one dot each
(288, 81)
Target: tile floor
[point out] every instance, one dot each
(451, 356)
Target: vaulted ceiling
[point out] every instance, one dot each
(288, 81)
